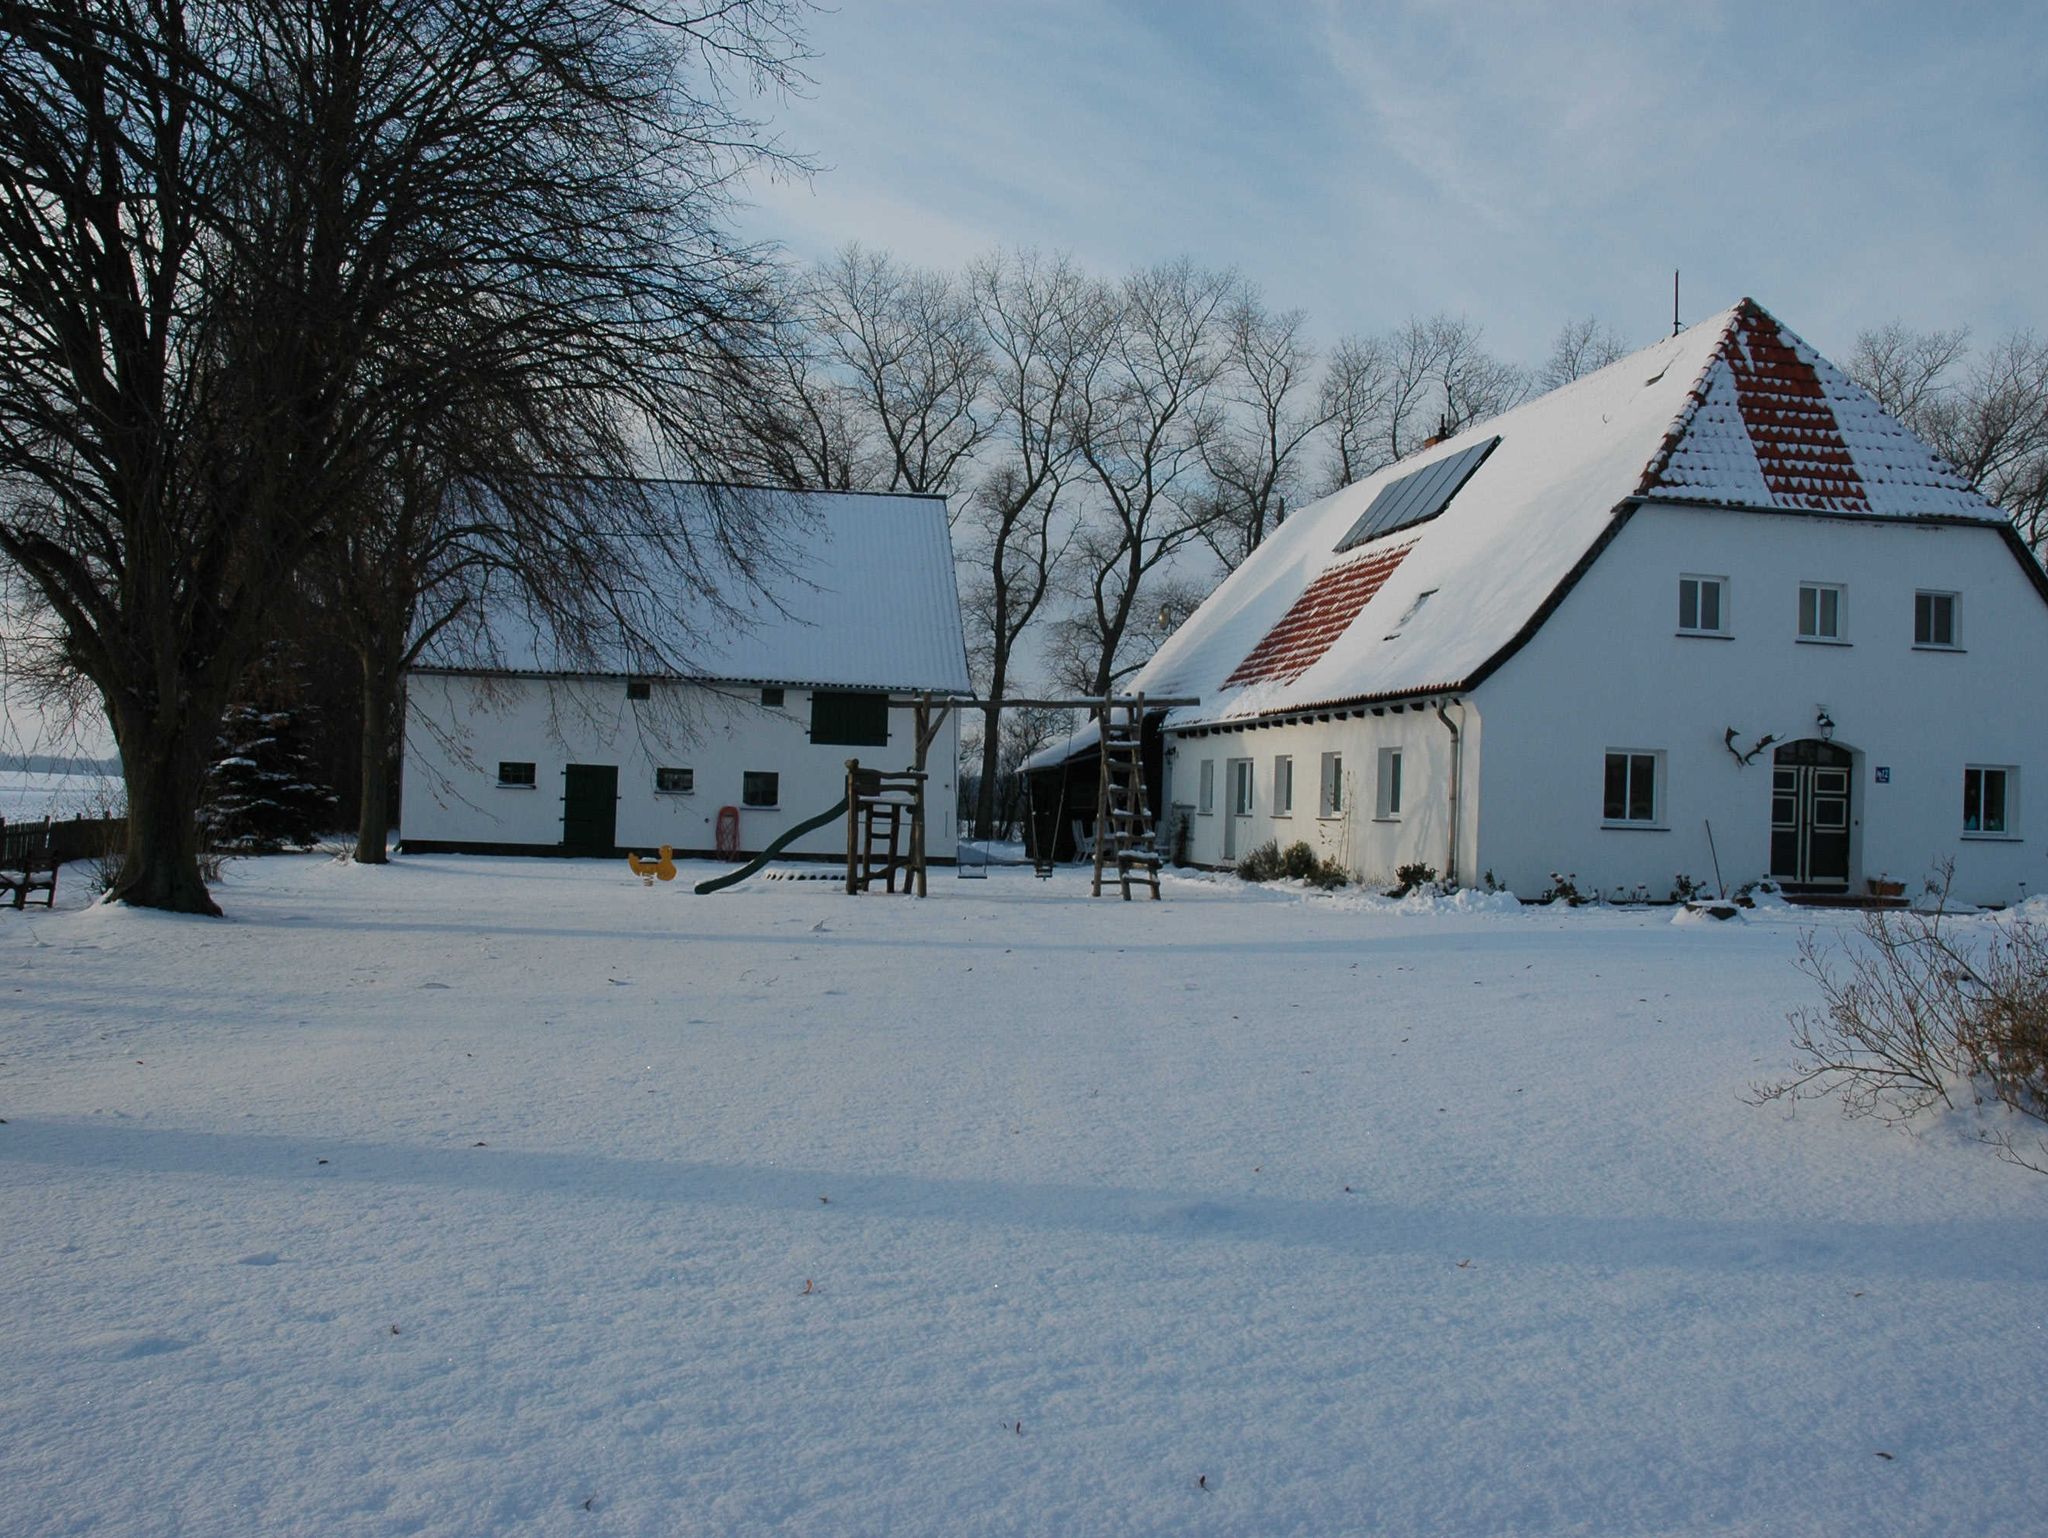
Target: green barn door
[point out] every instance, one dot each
(590, 808)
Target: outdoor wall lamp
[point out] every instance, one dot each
(1824, 723)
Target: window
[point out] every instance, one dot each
(1988, 800)
(1387, 803)
(675, 782)
(1631, 789)
(1934, 619)
(1241, 787)
(850, 720)
(772, 698)
(1283, 786)
(1820, 612)
(1206, 803)
(638, 689)
(1333, 785)
(760, 789)
(1703, 605)
(516, 774)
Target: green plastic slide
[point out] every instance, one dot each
(731, 878)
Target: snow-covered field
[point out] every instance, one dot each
(30, 795)
(492, 1196)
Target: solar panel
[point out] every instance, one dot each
(1417, 496)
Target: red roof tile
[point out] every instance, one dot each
(1322, 613)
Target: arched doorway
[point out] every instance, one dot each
(1811, 785)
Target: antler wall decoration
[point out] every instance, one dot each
(1740, 757)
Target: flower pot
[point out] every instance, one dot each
(1880, 888)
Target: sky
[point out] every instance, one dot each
(1522, 165)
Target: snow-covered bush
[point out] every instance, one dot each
(1412, 878)
(1921, 1012)
(1298, 862)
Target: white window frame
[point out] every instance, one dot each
(1330, 797)
(1658, 819)
(1205, 800)
(1821, 591)
(1387, 786)
(1283, 785)
(1699, 584)
(761, 806)
(1955, 605)
(531, 782)
(687, 788)
(2009, 786)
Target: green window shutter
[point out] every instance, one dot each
(850, 720)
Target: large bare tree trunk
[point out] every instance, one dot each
(166, 773)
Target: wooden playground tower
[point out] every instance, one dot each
(885, 809)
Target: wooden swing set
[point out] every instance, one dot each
(885, 810)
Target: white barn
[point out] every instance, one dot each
(1709, 607)
(783, 684)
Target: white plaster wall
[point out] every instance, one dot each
(1369, 847)
(458, 729)
(1608, 671)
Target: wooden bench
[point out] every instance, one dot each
(28, 863)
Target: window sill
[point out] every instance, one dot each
(1992, 838)
(1821, 640)
(1636, 827)
(1283, 816)
(1930, 646)
(1704, 635)
(1392, 820)
(749, 806)
(676, 794)
(1329, 817)
(1204, 814)
(503, 786)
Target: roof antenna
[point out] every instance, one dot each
(1674, 301)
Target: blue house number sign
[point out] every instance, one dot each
(1884, 774)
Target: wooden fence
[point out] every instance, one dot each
(74, 838)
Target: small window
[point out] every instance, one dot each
(1631, 789)
(675, 782)
(1206, 802)
(1241, 787)
(772, 698)
(1703, 605)
(1934, 619)
(1332, 802)
(638, 689)
(516, 774)
(850, 720)
(758, 788)
(1988, 799)
(1283, 786)
(1387, 803)
(1820, 612)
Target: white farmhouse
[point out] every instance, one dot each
(1708, 608)
(784, 683)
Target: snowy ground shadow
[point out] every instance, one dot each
(1973, 1250)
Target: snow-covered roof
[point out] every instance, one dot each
(856, 591)
(1734, 412)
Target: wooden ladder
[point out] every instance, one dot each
(1123, 818)
(884, 828)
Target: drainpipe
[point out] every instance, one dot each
(1457, 766)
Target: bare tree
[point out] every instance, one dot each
(1581, 347)
(1986, 414)
(1390, 395)
(1043, 332)
(911, 351)
(1270, 409)
(1140, 420)
(244, 247)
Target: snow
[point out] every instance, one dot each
(473, 1196)
(857, 591)
(28, 795)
